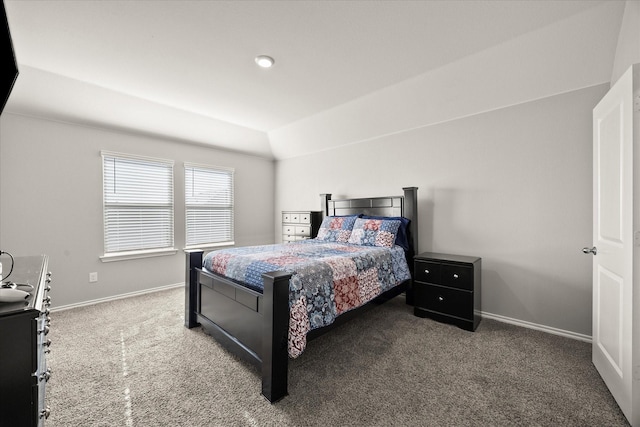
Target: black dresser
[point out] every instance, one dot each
(24, 345)
(447, 288)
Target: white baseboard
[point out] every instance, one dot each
(483, 314)
(530, 325)
(116, 297)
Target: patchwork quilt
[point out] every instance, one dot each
(328, 278)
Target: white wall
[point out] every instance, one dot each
(572, 53)
(628, 47)
(499, 143)
(512, 186)
(51, 203)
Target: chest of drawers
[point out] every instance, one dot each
(300, 225)
(24, 345)
(447, 288)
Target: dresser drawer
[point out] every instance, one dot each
(452, 302)
(286, 238)
(456, 276)
(305, 218)
(296, 217)
(288, 229)
(303, 230)
(428, 272)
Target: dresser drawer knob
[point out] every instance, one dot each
(45, 413)
(45, 375)
(47, 343)
(44, 330)
(455, 276)
(440, 298)
(426, 271)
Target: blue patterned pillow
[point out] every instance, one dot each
(374, 232)
(336, 228)
(402, 237)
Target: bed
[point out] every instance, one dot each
(255, 314)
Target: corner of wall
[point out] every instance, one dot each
(628, 48)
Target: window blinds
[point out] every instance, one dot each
(138, 203)
(209, 204)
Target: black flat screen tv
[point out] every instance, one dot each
(9, 64)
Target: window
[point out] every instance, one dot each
(138, 203)
(209, 205)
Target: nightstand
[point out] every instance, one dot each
(447, 288)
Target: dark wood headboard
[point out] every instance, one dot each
(406, 206)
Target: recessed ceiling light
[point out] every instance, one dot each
(264, 61)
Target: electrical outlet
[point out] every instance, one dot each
(93, 277)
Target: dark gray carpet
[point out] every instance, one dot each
(131, 362)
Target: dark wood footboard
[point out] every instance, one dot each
(249, 324)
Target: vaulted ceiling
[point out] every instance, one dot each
(185, 69)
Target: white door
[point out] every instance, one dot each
(614, 258)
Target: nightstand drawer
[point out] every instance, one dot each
(428, 272)
(456, 276)
(443, 300)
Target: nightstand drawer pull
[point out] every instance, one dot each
(440, 298)
(455, 276)
(426, 271)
